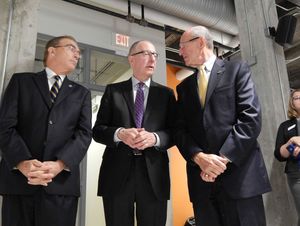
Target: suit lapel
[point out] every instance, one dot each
(193, 88)
(153, 97)
(65, 89)
(128, 95)
(215, 75)
(42, 83)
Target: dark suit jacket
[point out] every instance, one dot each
(286, 130)
(117, 110)
(31, 129)
(229, 124)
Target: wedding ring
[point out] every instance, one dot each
(206, 175)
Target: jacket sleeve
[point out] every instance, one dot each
(13, 147)
(280, 140)
(103, 132)
(242, 138)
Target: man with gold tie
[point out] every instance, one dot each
(218, 122)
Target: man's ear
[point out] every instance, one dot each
(201, 42)
(129, 59)
(51, 51)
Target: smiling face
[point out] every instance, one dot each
(63, 57)
(142, 60)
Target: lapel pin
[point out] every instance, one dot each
(70, 86)
(220, 72)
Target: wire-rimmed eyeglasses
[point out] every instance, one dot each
(146, 53)
(70, 47)
(182, 44)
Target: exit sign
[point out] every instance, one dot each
(122, 40)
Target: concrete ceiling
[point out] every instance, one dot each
(292, 51)
(185, 9)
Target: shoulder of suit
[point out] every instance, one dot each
(161, 87)
(24, 75)
(119, 84)
(289, 122)
(75, 84)
(234, 63)
(187, 80)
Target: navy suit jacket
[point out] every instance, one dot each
(117, 110)
(30, 128)
(229, 124)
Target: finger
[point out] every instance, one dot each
(140, 146)
(140, 129)
(38, 181)
(206, 177)
(40, 175)
(36, 163)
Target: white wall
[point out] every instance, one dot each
(94, 207)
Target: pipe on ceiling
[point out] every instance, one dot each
(216, 14)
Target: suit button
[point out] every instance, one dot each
(50, 122)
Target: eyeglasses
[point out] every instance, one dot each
(182, 44)
(146, 53)
(296, 98)
(70, 47)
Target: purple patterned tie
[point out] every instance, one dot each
(139, 105)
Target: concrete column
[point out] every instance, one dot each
(22, 37)
(4, 15)
(270, 75)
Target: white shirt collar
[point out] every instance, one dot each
(210, 63)
(51, 74)
(135, 82)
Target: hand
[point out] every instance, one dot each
(144, 140)
(295, 140)
(35, 171)
(211, 165)
(55, 167)
(127, 136)
(206, 177)
(296, 151)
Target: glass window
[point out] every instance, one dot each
(106, 68)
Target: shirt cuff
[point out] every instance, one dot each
(223, 156)
(116, 138)
(157, 144)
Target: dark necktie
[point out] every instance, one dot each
(139, 105)
(54, 89)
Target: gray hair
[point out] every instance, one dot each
(200, 31)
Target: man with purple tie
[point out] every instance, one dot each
(134, 122)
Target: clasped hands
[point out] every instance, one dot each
(137, 138)
(211, 165)
(40, 173)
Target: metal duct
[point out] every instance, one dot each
(216, 14)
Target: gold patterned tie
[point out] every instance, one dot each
(202, 84)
